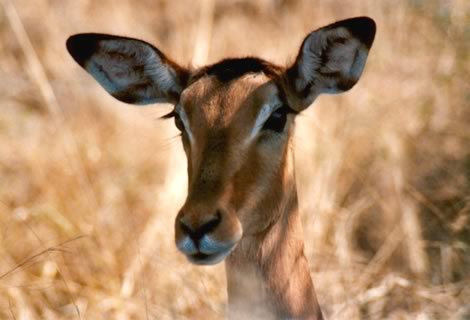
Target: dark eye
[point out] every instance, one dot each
(178, 123)
(277, 120)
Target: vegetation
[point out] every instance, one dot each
(89, 187)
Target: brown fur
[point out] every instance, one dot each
(267, 274)
(242, 198)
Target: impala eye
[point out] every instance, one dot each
(277, 120)
(178, 123)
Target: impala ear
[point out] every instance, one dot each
(131, 70)
(330, 60)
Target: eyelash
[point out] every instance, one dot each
(178, 123)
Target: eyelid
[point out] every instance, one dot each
(277, 119)
(289, 110)
(182, 116)
(179, 123)
(277, 107)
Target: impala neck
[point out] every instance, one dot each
(267, 274)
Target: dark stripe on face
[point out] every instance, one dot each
(230, 69)
(209, 179)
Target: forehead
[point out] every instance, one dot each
(221, 90)
(216, 102)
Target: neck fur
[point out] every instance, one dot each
(268, 275)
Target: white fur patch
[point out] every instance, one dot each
(263, 115)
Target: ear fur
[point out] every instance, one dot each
(131, 70)
(331, 60)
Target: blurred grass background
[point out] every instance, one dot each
(89, 187)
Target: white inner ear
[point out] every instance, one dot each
(120, 64)
(359, 63)
(160, 73)
(345, 55)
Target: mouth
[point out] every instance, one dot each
(201, 258)
(206, 251)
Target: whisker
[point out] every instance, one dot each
(169, 142)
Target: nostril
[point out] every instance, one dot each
(186, 228)
(198, 232)
(210, 225)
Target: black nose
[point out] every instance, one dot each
(197, 232)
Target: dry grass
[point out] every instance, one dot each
(89, 187)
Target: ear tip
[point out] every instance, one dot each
(82, 46)
(363, 28)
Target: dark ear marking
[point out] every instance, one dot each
(230, 69)
(362, 28)
(331, 60)
(82, 46)
(131, 70)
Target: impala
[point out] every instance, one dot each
(236, 119)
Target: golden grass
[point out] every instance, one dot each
(89, 187)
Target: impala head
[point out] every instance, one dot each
(236, 119)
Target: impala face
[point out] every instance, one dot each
(235, 134)
(236, 120)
